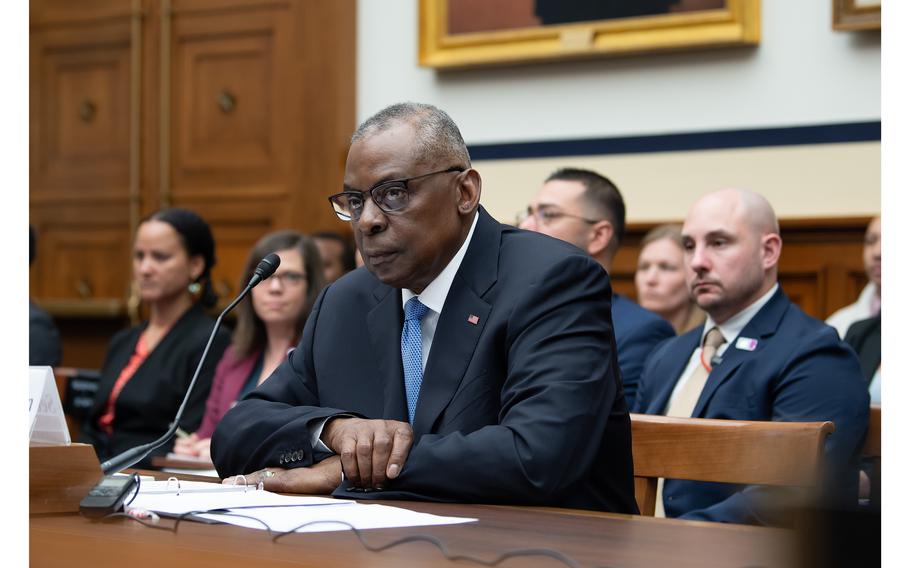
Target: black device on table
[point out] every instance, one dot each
(108, 495)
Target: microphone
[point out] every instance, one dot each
(266, 268)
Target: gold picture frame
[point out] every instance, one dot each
(852, 15)
(737, 23)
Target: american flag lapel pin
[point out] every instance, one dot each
(472, 319)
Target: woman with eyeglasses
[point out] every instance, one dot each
(268, 326)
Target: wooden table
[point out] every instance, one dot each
(591, 539)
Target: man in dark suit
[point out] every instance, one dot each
(43, 337)
(757, 357)
(865, 337)
(586, 209)
(498, 383)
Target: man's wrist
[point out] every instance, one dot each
(322, 433)
(328, 429)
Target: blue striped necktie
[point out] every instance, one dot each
(411, 352)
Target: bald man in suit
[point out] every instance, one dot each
(757, 357)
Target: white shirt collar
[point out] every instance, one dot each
(434, 295)
(734, 326)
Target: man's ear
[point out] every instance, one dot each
(599, 237)
(770, 250)
(468, 191)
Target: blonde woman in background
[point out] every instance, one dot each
(660, 279)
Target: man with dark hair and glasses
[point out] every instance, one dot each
(470, 361)
(586, 209)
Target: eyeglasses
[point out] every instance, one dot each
(548, 215)
(289, 278)
(389, 196)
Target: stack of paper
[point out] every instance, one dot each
(280, 513)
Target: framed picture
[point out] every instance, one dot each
(469, 33)
(852, 15)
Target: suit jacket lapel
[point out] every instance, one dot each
(460, 324)
(760, 327)
(681, 353)
(384, 322)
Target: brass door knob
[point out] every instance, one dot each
(87, 110)
(83, 288)
(226, 101)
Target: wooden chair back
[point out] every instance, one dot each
(725, 451)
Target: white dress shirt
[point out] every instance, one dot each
(433, 297)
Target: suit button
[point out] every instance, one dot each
(281, 459)
(298, 455)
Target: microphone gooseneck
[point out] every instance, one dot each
(266, 268)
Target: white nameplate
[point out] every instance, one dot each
(47, 424)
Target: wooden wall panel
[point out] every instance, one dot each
(238, 109)
(229, 134)
(821, 265)
(80, 86)
(83, 252)
(43, 13)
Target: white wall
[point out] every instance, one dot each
(802, 73)
(819, 180)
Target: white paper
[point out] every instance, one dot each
(279, 513)
(162, 497)
(328, 518)
(199, 472)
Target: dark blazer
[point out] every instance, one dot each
(230, 376)
(638, 331)
(149, 400)
(799, 371)
(523, 406)
(43, 338)
(865, 337)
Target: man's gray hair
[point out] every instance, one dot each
(437, 133)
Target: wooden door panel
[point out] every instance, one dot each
(80, 89)
(804, 290)
(68, 12)
(83, 253)
(229, 129)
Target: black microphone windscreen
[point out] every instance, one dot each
(267, 266)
